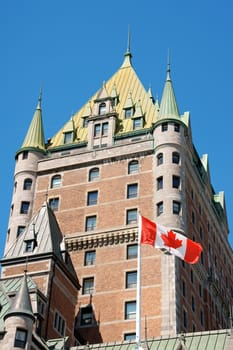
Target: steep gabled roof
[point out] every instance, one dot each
(124, 83)
(45, 232)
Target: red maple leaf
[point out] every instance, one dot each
(170, 240)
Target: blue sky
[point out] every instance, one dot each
(70, 47)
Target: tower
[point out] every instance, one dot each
(122, 153)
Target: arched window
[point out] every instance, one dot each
(94, 174)
(56, 181)
(133, 167)
(160, 159)
(102, 108)
(27, 184)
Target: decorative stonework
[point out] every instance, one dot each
(101, 239)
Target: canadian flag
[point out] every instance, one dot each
(161, 237)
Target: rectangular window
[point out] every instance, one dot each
(159, 208)
(25, 155)
(184, 289)
(97, 130)
(130, 336)
(133, 167)
(164, 126)
(54, 203)
(132, 190)
(160, 159)
(20, 230)
(59, 323)
(30, 245)
(105, 129)
(159, 183)
(92, 198)
(68, 137)
(132, 251)
(130, 310)
(24, 207)
(86, 316)
(137, 123)
(128, 112)
(176, 207)
(88, 285)
(175, 181)
(131, 279)
(176, 127)
(131, 216)
(185, 319)
(85, 122)
(20, 338)
(175, 157)
(90, 223)
(193, 303)
(89, 258)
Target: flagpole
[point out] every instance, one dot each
(138, 297)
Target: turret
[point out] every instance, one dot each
(32, 150)
(19, 320)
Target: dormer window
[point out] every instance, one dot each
(85, 122)
(137, 123)
(129, 112)
(68, 137)
(102, 108)
(30, 245)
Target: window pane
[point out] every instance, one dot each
(164, 127)
(97, 130)
(160, 159)
(102, 108)
(105, 129)
(176, 127)
(130, 310)
(54, 203)
(27, 184)
(132, 251)
(175, 181)
(89, 258)
(137, 123)
(94, 174)
(175, 157)
(131, 279)
(92, 198)
(24, 207)
(128, 112)
(176, 207)
(68, 137)
(91, 223)
(131, 216)
(20, 230)
(159, 183)
(159, 208)
(56, 181)
(86, 316)
(88, 285)
(132, 191)
(130, 336)
(133, 167)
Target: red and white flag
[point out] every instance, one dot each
(162, 237)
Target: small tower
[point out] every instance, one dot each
(32, 150)
(19, 320)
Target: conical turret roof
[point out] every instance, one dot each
(168, 105)
(21, 304)
(34, 138)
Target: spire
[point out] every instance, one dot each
(21, 305)
(168, 106)
(128, 55)
(35, 135)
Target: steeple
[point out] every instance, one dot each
(128, 55)
(35, 136)
(21, 305)
(168, 105)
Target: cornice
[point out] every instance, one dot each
(99, 240)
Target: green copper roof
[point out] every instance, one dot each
(213, 340)
(35, 135)
(21, 304)
(168, 105)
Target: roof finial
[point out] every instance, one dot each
(168, 65)
(128, 43)
(39, 99)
